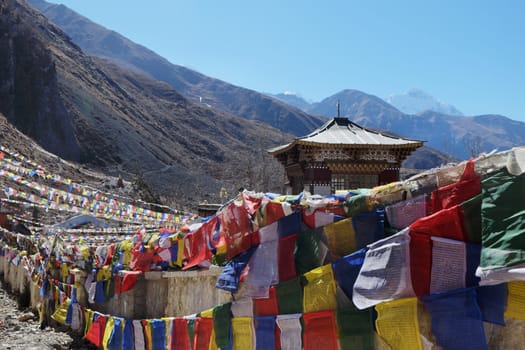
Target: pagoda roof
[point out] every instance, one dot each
(341, 132)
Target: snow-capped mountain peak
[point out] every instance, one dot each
(416, 100)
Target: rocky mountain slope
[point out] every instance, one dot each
(456, 135)
(98, 41)
(278, 111)
(90, 111)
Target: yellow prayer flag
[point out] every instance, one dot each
(88, 319)
(168, 321)
(148, 337)
(516, 300)
(341, 237)
(213, 344)
(207, 313)
(397, 324)
(108, 331)
(242, 329)
(319, 293)
(60, 313)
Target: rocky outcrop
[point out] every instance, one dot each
(29, 86)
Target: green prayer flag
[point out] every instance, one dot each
(307, 250)
(356, 328)
(503, 219)
(290, 296)
(222, 323)
(472, 218)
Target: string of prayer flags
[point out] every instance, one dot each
(301, 281)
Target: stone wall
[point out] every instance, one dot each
(156, 294)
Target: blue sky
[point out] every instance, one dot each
(470, 54)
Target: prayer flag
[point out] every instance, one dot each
(320, 330)
(385, 274)
(456, 319)
(397, 324)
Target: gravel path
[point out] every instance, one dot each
(19, 329)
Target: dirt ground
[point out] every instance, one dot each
(19, 329)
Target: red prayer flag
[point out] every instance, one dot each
(267, 306)
(181, 338)
(129, 280)
(199, 250)
(202, 333)
(95, 333)
(286, 258)
(273, 212)
(236, 228)
(456, 193)
(320, 330)
(420, 262)
(446, 223)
